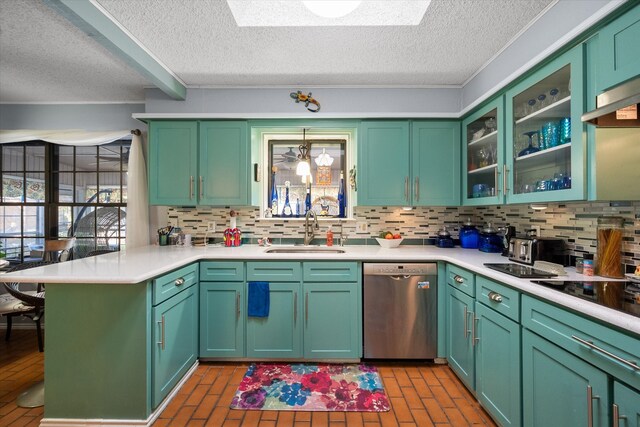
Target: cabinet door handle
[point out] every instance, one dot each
(406, 188)
(617, 416)
(458, 279)
(201, 187)
(632, 364)
(465, 316)
(191, 187)
(161, 323)
(179, 281)
(496, 172)
(306, 308)
(505, 176)
(494, 296)
(238, 305)
(417, 189)
(474, 338)
(295, 308)
(590, 399)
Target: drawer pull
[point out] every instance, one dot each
(406, 188)
(161, 323)
(238, 305)
(494, 296)
(474, 338)
(295, 308)
(179, 281)
(464, 323)
(306, 308)
(590, 399)
(191, 187)
(201, 188)
(458, 279)
(590, 344)
(617, 416)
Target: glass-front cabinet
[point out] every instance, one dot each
(483, 155)
(544, 134)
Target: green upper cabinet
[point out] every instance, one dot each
(399, 168)
(383, 162)
(619, 53)
(435, 148)
(199, 163)
(545, 145)
(223, 178)
(483, 157)
(173, 162)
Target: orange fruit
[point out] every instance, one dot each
(389, 236)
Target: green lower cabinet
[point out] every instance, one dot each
(556, 386)
(222, 319)
(460, 352)
(626, 401)
(280, 334)
(332, 320)
(498, 366)
(175, 341)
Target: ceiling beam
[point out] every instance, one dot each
(98, 24)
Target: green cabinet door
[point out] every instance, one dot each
(619, 52)
(498, 365)
(460, 354)
(332, 321)
(224, 163)
(435, 148)
(626, 401)
(556, 386)
(383, 163)
(280, 334)
(173, 162)
(175, 341)
(222, 318)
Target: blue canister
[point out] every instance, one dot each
(490, 240)
(469, 235)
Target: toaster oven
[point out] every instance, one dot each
(528, 250)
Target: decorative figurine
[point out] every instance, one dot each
(307, 99)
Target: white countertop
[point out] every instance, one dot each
(140, 264)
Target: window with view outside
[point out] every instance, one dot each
(327, 163)
(56, 191)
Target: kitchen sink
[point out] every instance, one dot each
(304, 250)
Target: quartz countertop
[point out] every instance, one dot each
(140, 264)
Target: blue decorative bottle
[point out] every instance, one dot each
(341, 198)
(274, 192)
(307, 201)
(286, 210)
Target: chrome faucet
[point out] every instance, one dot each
(343, 238)
(309, 233)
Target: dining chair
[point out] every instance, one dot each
(58, 250)
(21, 302)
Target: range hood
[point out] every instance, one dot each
(617, 107)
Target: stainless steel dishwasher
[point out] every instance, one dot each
(400, 311)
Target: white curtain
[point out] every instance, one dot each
(63, 137)
(137, 205)
(137, 196)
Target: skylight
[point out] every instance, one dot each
(296, 13)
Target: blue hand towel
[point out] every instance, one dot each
(258, 301)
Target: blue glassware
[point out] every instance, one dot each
(490, 240)
(565, 130)
(469, 235)
(531, 103)
(554, 94)
(342, 205)
(286, 210)
(541, 98)
(307, 201)
(550, 134)
(529, 149)
(274, 193)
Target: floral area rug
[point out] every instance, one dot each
(306, 387)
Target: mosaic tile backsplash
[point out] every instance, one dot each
(573, 222)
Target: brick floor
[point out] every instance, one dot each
(421, 394)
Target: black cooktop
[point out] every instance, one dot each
(519, 270)
(621, 296)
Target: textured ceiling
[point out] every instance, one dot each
(44, 58)
(201, 43)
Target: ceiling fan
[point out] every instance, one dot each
(110, 160)
(288, 159)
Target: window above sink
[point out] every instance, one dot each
(330, 155)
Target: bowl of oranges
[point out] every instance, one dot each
(389, 240)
